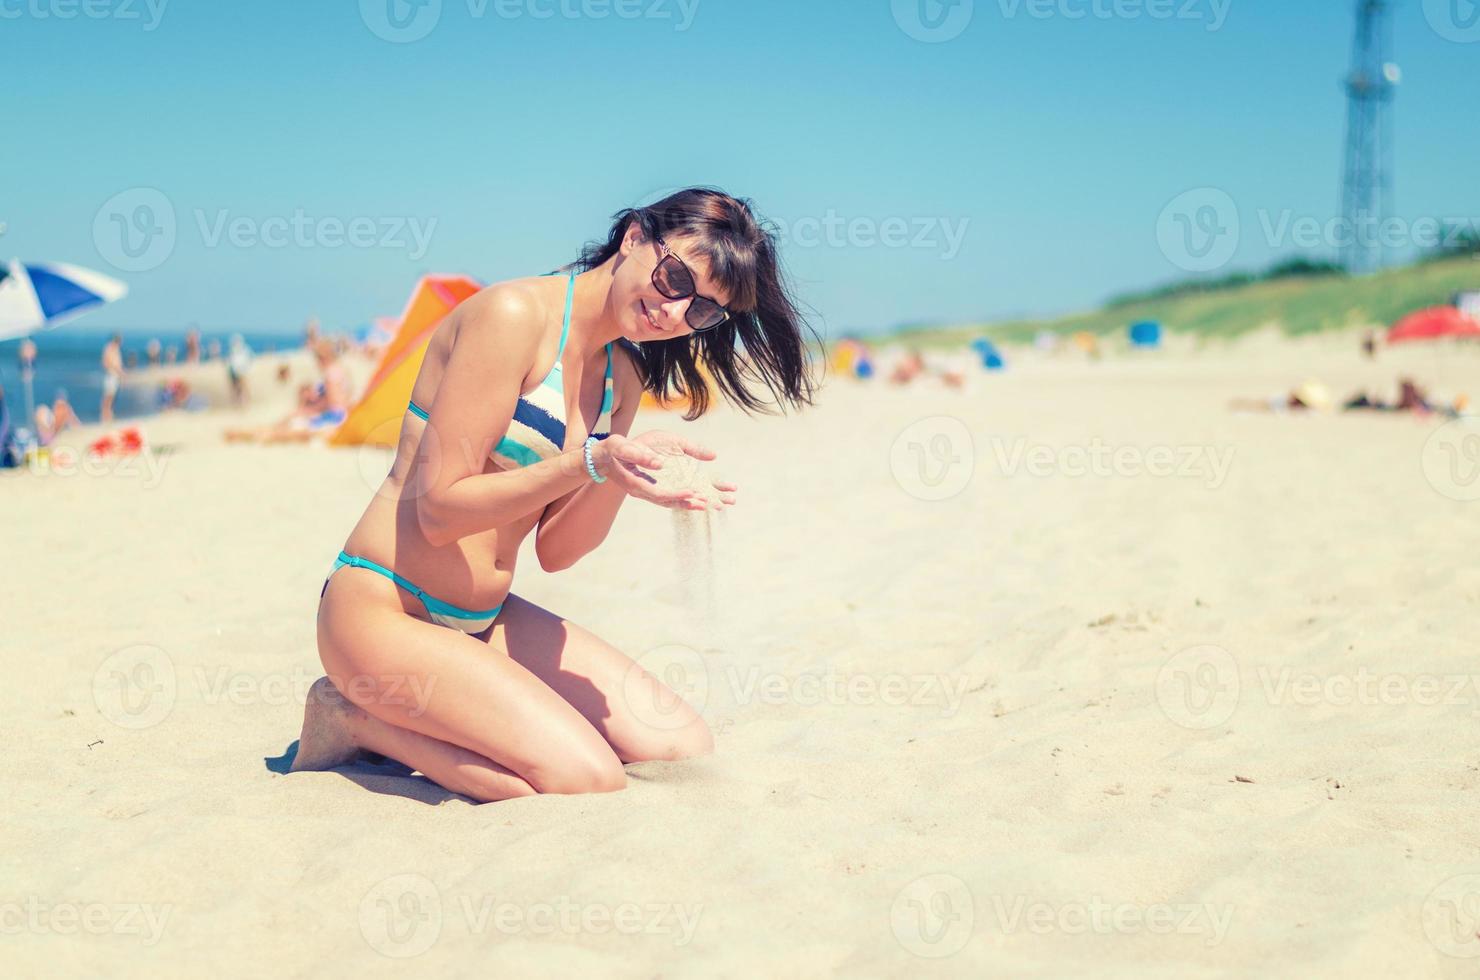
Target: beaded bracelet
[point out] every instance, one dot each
(590, 463)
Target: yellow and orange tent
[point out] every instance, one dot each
(376, 419)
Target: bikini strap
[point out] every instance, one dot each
(570, 296)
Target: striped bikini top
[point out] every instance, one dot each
(537, 430)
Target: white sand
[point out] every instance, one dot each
(1147, 726)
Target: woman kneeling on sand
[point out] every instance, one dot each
(519, 422)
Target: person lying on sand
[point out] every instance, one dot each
(1310, 396)
(321, 407)
(54, 420)
(518, 424)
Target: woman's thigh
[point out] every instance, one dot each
(451, 686)
(638, 715)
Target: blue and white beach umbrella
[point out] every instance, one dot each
(39, 295)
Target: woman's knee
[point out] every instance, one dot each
(579, 772)
(652, 744)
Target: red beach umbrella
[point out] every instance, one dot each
(1432, 324)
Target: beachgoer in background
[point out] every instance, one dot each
(213, 350)
(192, 346)
(1312, 395)
(10, 450)
(908, 368)
(1411, 398)
(57, 418)
(151, 350)
(171, 354)
(112, 375)
(26, 355)
(1369, 345)
(320, 407)
(238, 364)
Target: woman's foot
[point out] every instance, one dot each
(327, 739)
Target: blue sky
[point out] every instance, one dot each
(1024, 165)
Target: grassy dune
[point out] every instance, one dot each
(1296, 306)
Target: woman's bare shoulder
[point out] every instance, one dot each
(506, 313)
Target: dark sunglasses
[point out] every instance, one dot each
(674, 280)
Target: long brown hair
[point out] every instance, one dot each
(762, 344)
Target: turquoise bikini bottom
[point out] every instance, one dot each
(441, 613)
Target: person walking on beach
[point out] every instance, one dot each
(112, 375)
(238, 365)
(26, 355)
(518, 424)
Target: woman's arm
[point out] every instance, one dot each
(495, 347)
(575, 525)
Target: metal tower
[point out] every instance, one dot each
(1368, 187)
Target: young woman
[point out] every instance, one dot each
(519, 423)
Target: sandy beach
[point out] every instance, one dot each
(1074, 669)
